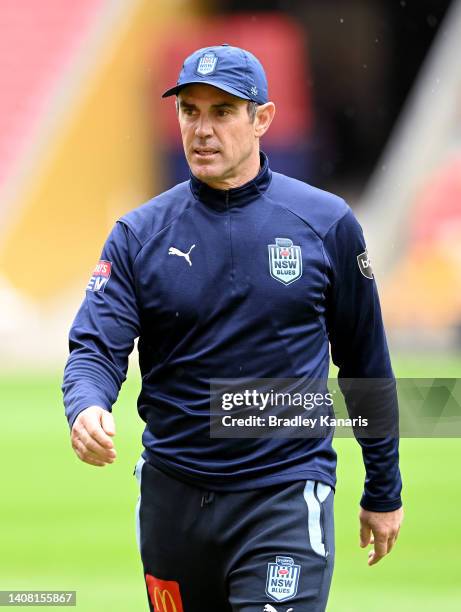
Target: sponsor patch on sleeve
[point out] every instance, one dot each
(365, 264)
(100, 276)
(164, 594)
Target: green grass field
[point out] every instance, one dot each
(67, 525)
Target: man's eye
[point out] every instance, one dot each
(188, 112)
(222, 112)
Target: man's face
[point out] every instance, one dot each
(220, 141)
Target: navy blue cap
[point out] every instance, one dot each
(228, 68)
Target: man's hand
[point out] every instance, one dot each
(385, 528)
(91, 436)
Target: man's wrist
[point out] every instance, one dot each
(374, 505)
(73, 414)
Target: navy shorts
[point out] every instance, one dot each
(264, 550)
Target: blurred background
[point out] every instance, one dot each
(368, 96)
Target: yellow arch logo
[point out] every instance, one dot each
(164, 596)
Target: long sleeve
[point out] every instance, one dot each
(103, 332)
(359, 349)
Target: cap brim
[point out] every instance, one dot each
(235, 92)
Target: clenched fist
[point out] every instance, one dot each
(92, 434)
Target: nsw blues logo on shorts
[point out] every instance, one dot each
(282, 578)
(100, 277)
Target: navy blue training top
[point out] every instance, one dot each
(218, 310)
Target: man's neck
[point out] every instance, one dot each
(250, 172)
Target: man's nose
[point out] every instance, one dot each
(204, 127)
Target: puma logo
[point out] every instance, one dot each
(269, 608)
(175, 251)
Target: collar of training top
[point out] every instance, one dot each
(220, 199)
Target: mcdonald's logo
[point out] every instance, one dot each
(166, 599)
(164, 594)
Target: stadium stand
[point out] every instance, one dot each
(74, 153)
(411, 209)
(38, 40)
(424, 290)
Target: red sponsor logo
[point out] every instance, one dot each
(100, 278)
(103, 268)
(283, 572)
(164, 594)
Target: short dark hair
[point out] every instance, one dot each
(252, 107)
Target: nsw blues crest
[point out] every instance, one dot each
(207, 63)
(285, 261)
(282, 578)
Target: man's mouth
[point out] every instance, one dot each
(205, 152)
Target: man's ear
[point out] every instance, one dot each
(264, 115)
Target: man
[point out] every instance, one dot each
(223, 524)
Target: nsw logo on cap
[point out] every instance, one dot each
(207, 63)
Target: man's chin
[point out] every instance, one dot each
(206, 171)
